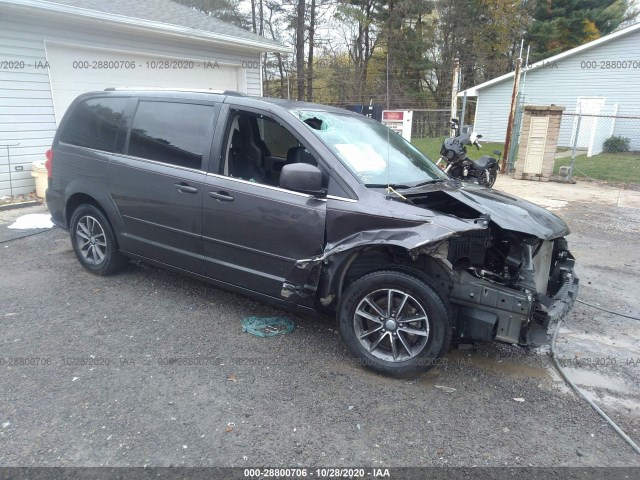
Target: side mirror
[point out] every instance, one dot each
(497, 152)
(302, 177)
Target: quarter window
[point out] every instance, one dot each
(94, 123)
(174, 133)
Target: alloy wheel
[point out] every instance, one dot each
(91, 240)
(391, 324)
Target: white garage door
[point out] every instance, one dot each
(74, 69)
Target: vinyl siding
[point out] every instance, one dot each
(561, 83)
(26, 104)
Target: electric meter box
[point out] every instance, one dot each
(400, 121)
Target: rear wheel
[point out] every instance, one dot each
(394, 323)
(488, 178)
(94, 242)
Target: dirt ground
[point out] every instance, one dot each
(151, 368)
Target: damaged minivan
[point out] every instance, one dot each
(309, 207)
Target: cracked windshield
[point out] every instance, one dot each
(377, 156)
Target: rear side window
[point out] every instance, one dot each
(94, 123)
(174, 133)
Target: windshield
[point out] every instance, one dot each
(375, 154)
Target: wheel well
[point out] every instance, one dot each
(76, 200)
(366, 261)
(371, 259)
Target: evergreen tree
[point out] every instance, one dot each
(560, 25)
(406, 28)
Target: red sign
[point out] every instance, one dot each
(393, 116)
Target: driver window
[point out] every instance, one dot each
(258, 147)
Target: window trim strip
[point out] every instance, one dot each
(271, 187)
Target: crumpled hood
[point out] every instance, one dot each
(512, 213)
(507, 211)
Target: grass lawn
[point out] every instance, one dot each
(611, 167)
(431, 148)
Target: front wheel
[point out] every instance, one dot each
(394, 323)
(94, 242)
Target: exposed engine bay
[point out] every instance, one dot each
(506, 281)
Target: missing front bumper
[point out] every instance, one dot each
(486, 311)
(544, 320)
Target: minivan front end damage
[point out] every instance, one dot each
(489, 307)
(510, 287)
(502, 285)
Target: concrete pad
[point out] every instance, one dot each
(554, 195)
(629, 199)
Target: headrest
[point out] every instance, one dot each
(249, 127)
(300, 155)
(236, 139)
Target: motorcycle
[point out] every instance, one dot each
(455, 162)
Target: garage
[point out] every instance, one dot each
(75, 69)
(55, 50)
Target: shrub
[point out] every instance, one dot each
(615, 144)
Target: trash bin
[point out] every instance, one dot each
(39, 172)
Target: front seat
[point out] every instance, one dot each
(252, 145)
(241, 164)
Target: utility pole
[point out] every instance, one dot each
(512, 112)
(454, 89)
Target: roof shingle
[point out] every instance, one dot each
(168, 12)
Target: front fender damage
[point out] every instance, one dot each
(302, 280)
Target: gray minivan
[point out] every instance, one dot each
(312, 207)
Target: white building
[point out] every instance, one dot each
(600, 77)
(52, 51)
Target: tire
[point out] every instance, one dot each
(493, 175)
(380, 341)
(94, 242)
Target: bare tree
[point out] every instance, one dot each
(362, 17)
(261, 13)
(253, 15)
(312, 33)
(275, 11)
(300, 13)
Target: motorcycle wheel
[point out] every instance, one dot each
(488, 182)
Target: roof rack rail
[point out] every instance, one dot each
(169, 89)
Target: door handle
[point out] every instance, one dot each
(184, 188)
(221, 196)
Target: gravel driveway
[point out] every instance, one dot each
(151, 368)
